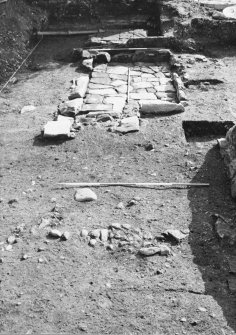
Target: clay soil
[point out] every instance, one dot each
(79, 289)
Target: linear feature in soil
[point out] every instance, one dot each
(206, 129)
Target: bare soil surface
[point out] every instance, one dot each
(79, 289)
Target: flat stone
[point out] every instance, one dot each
(97, 86)
(123, 89)
(93, 99)
(159, 107)
(217, 4)
(117, 70)
(100, 68)
(115, 225)
(114, 100)
(135, 73)
(143, 96)
(141, 91)
(176, 234)
(96, 107)
(104, 235)
(116, 83)
(142, 85)
(149, 251)
(101, 80)
(57, 128)
(70, 107)
(27, 109)
(136, 79)
(84, 195)
(129, 124)
(147, 75)
(119, 77)
(105, 91)
(99, 75)
(80, 88)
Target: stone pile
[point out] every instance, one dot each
(127, 238)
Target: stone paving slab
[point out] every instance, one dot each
(107, 91)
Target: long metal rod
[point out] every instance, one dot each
(69, 185)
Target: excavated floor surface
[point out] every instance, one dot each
(78, 289)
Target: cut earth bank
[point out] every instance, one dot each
(54, 284)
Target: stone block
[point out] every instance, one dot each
(80, 88)
(59, 128)
(129, 124)
(159, 107)
(93, 99)
(71, 107)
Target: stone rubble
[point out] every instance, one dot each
(85, 195)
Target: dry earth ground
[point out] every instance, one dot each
(81, 289)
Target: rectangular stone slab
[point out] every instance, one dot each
(80, 89)
(143, 96)
(96, 107)
(61, 127)
(71, 107)
(159, 107)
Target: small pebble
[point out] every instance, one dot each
(41, 249)
(65, 236)
(55, 233)
(53, 200)
(183, 319)
(41, 260)
(202, 309)
(11, 239)
(8, 247)
(84, 233)
(110, 247)
(120, 205)
(92, 242)
(24, 257)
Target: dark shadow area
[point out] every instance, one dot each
(208, 130)
(39, 141)
(210, 255)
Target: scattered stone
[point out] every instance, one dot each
(126, 226)
(120, 205)
(183, 320)
(84, 233)
(84, 195)
(149, 146)
(202, 309)
(41, 260)
(175, 234)
(8, 247)
(65, 236)
(95, 233)
(27, 109)
(127, 125)
(149, 251)
(45, 222)
(71, 107)
(103, 57)
(88, 64)
(110, 247)
(11, 239)
(92, 242)
(131, 203)
(42, 248)
(115, 225)
(83, 327)
(24, 257)
(104, 235)
(55, 233)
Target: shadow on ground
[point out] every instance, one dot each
(210, 255)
